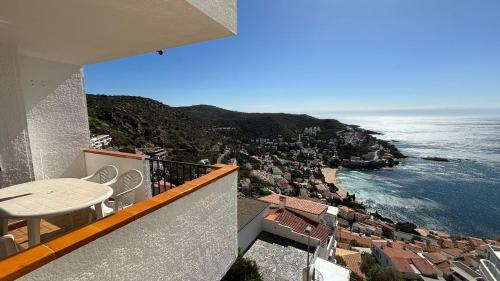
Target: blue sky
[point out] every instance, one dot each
(319, 56)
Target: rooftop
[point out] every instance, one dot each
(278, 258)
(297, 204)
(325, 270)
(333, 210)
(454, 252)
(352, 260)
(464, 271)
(404, 260)
(435, 258)
(298, 224)
(344, 235)
(248, 209)
(396, 250)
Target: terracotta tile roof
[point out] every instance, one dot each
(468, 260)
(396, 250)
(345, 209)
(402, 265)
(425, 268)
(380, 224)
(402, 258)
(454, 252)
(341, 245)
(444, 267)
(353, 261)
(379, 243)
(435, 258)
(344, 252)
(297, 204)
(415, 248)
(299, 224)
(476, 241)
(344, 235)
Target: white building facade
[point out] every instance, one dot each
(43, 46)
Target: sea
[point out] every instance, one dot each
(461, 197)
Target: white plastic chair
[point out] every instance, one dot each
(8, 246)
(123, 192)
(106, 175)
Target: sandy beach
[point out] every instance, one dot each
(331, 177)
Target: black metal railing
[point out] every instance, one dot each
(166, 174)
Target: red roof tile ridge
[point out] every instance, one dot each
(296, 203)
(298, 224)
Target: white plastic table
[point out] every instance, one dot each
(33, 201)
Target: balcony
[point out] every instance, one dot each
(183, 227)
(489, 271)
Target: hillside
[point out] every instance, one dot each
(191, 131)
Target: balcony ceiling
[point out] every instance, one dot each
(91, 31)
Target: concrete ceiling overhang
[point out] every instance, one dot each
(90, 31)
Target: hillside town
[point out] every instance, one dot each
(274, 231)
(287, 185)
(299, 170)
(295, 167)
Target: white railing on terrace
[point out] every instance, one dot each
(490, 270)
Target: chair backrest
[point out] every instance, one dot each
(105, 174)
(129, 180)
(8, 246)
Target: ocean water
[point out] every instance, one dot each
(461, 196)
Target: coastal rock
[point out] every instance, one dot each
(438, 159)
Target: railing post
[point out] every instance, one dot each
(151, 172)
(157, 173)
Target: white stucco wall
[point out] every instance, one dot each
(330, 216)
(15, 157)
(43, 115)
(193, 238)
(222, 11)
(249, 233)
(284, 231)
(57, 118)
(93, 162)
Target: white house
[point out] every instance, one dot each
(251, 215)
(100, 141)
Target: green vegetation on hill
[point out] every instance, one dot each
(243, 269)
(196, 132)
(376, 272)
(407, 227)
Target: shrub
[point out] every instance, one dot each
(376, 272)
(407, 227)
(340, 260)
(243, 269)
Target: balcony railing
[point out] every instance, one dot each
(490, 269)
(166, 174)
(170, 214)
